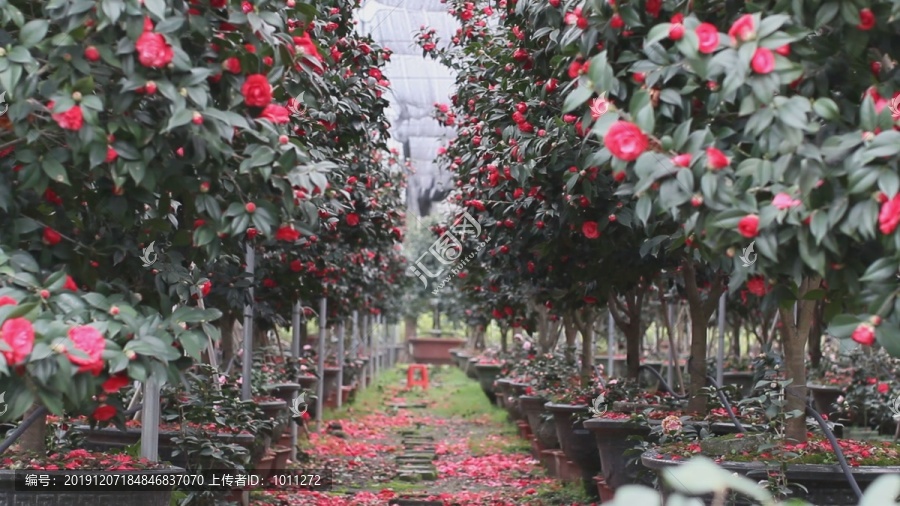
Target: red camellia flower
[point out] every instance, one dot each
(115, 383)
(590, 230)
(709, 37)
(91, 53)
(6, 300)
(866, 19)
(676, 31)
(296, 265)
(353, 219)
(111, 154)
(257, 91)
(104, 412)
(205, 288)
(616, 21)
(883, 388)
(307, 47)
(18, 334)
(625, 141)
(73, 119)
(51, 237)
(70, 284)
(653, 7)
(232, 65)
(889, 216)
(743, 29)
(757, 286)
(763, 61)
(89, 341)
(864, 334)
(749, 226)
(153, 50)
(682, 160)
(287, 233)
(276, 114)
(716, 159)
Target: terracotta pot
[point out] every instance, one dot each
(606, 494)
(282, 454)
(263, 467)
(487, 374)
(431, 350)
(577, 443)
(543, 427)
(824, 397)
(11, 494)
(825, 484)
(611, 436)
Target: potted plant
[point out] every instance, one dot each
(569, 407)
(488, 369)
(434, 350)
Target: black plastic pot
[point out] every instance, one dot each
(576, 442)
(487, 374)
(610, 437)
(544, 429)
(825, 485)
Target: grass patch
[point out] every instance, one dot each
(371, 399)
(507, 443)
(455, 395)
(401, 487)
(561, 493)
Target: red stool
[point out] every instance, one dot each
(411, 380)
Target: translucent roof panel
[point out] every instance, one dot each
(418, 83)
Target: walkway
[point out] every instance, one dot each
(381, 453)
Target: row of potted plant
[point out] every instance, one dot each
(606, 431)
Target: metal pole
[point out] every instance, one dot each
(357, 346)
(150, 420)
(371, 344)
(246, 393)
(320, 386)
(610, 345)
(720, 353)
(295, 354)
(340, 354)
(670, 375)
(386, 347)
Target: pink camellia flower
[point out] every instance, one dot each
(599, 106)
(682, 160)
(749, 226)
(889, 216)
(672, 424)
(18, 334)
(743, 29)
(708, 35)
(763, 61)
(153, 50)
(864, 334)
(276, 114)
(784, 201)
(716, 159)
(89, 341)
(8, 301)
(626, 141)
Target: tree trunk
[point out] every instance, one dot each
(571, 334)
(795, 336)
(700, 312)
(34, 438)
(226, 342)
(585, 323)
(815, 335)
(628, 318)
(736, 339)
(504, 334)
(409, 326)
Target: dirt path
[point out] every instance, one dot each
(380, 454)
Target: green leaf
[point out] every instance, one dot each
(881, 270)
(826, 13)
(889, 182)
(193, 344)
(156, 7)
(886, 143)
(843, 325)
(827, 109)
(658, 33)
(643, 208)
(113, 9)
(576, 98)
(55, 170)
(33, 32)
(19, 54)
(97, 300)
(180, 118)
